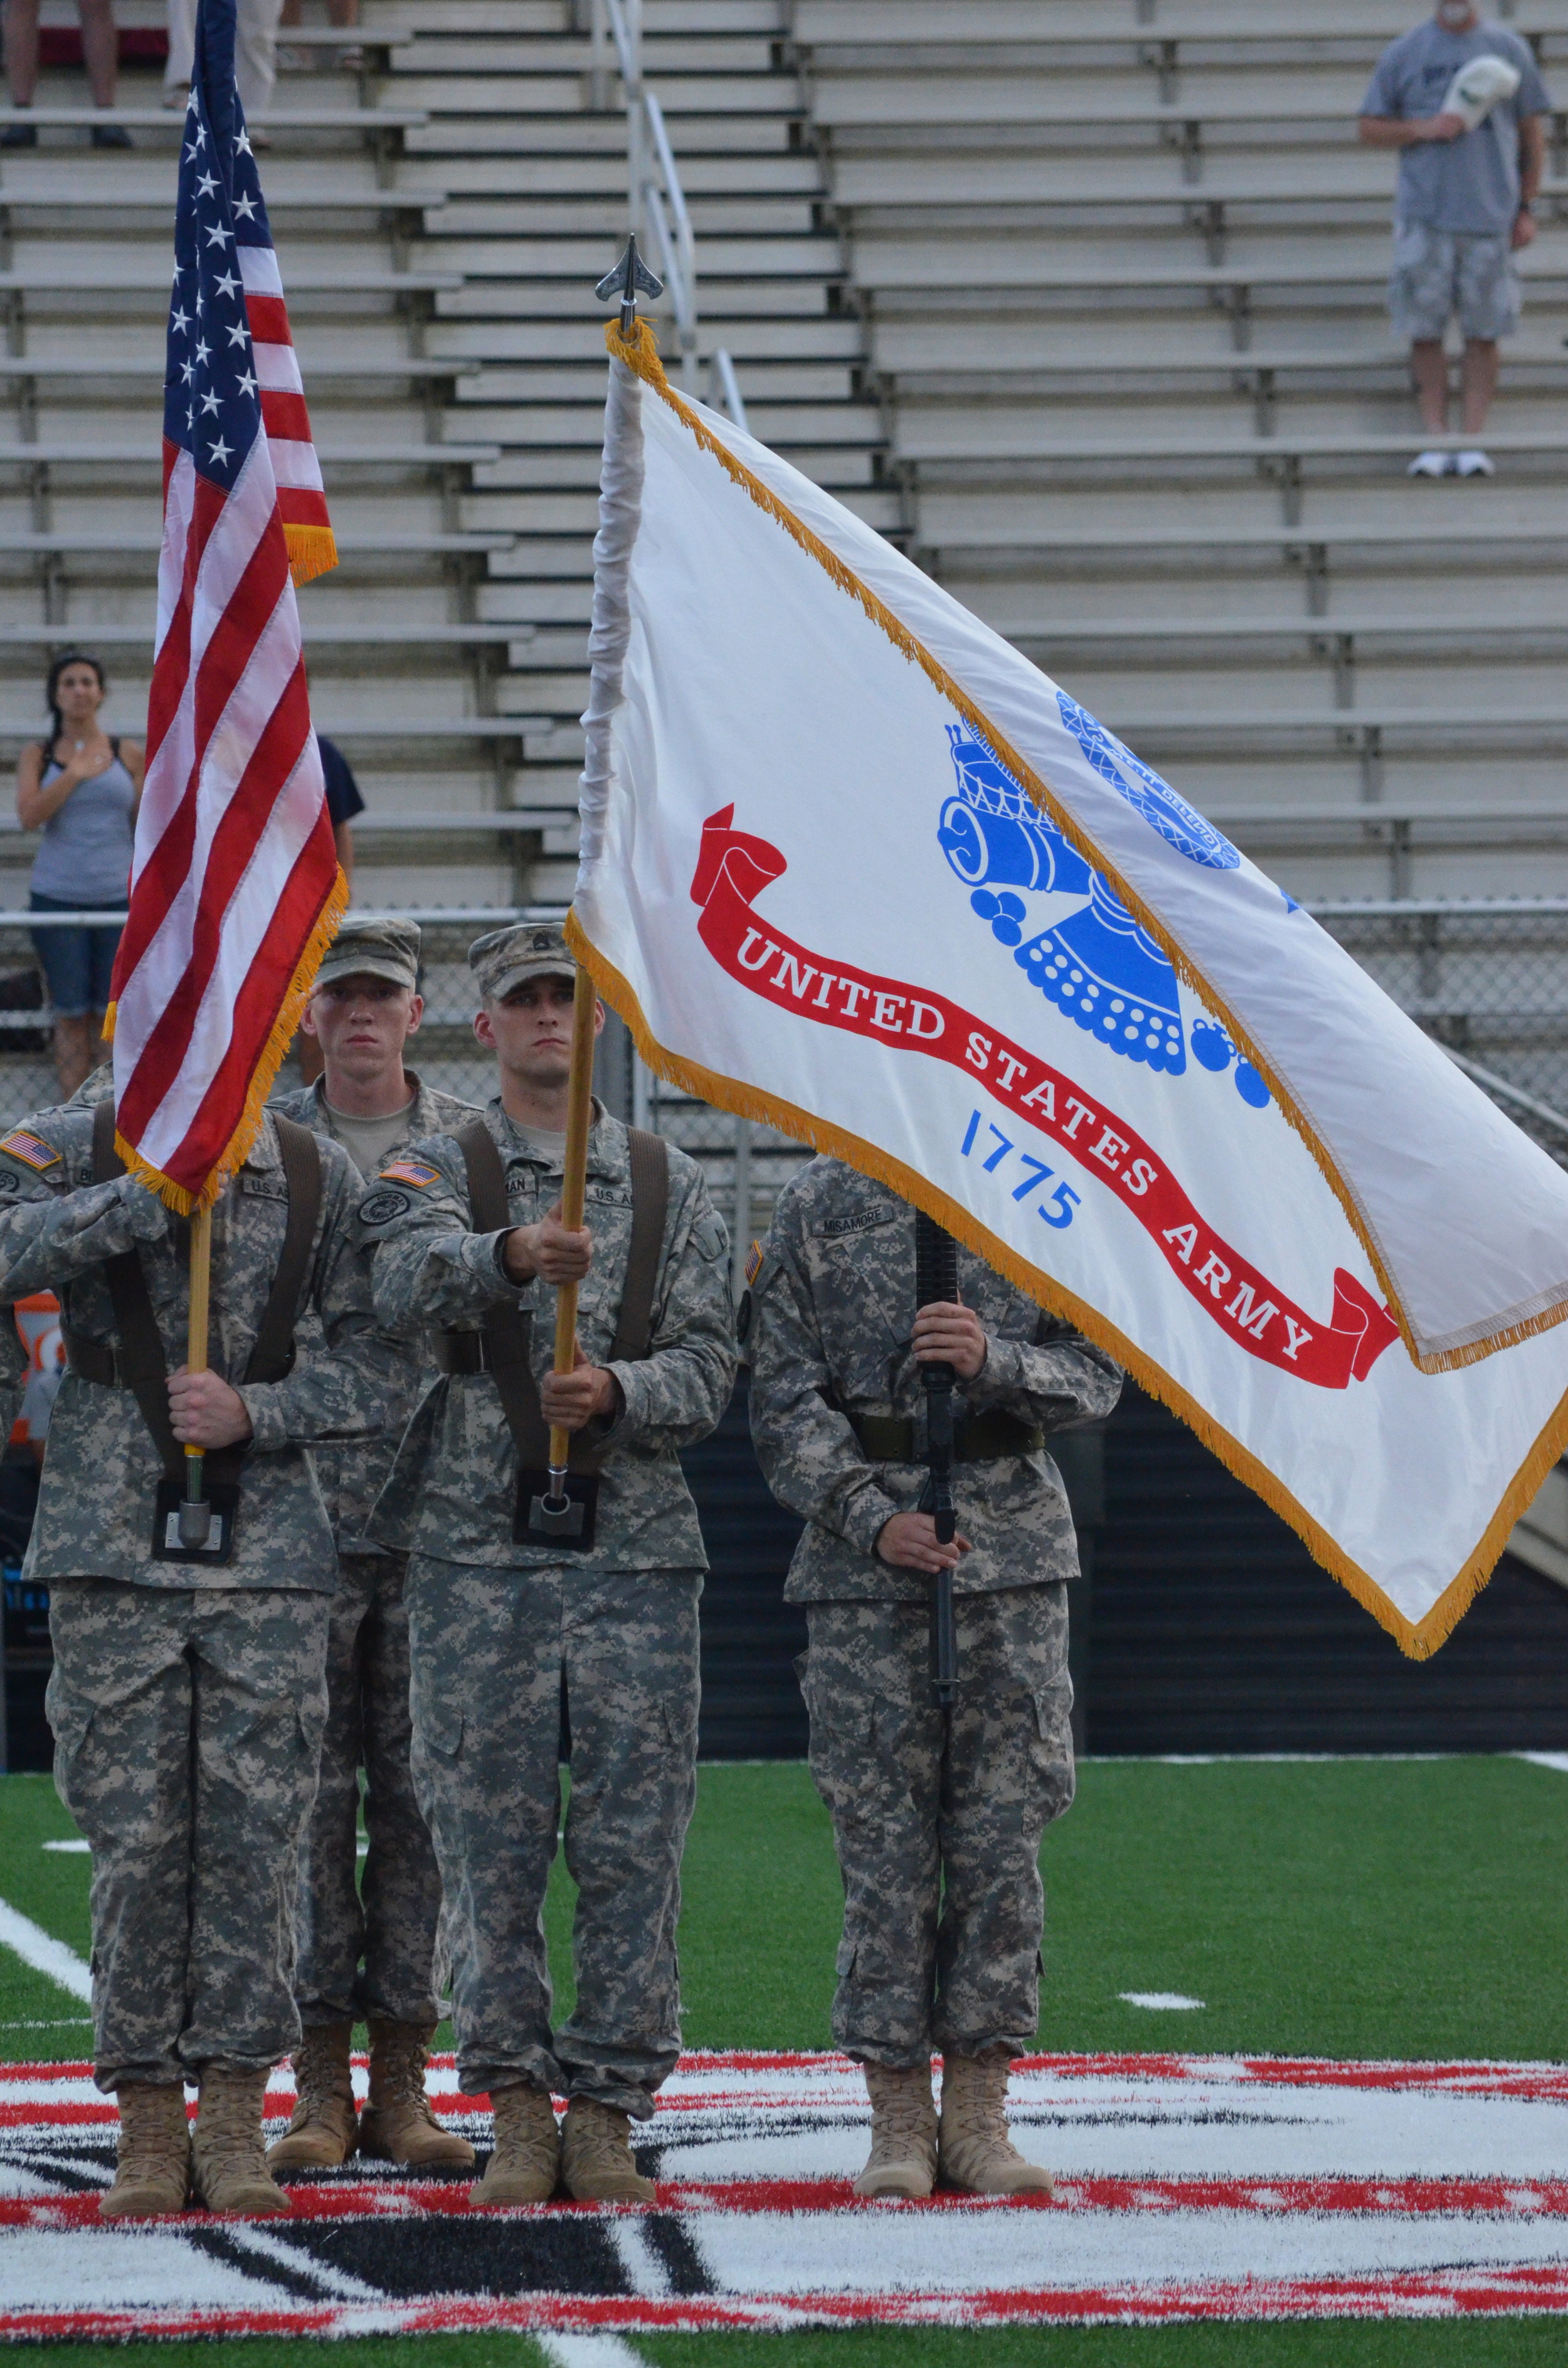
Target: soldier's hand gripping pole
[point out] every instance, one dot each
(936, 1281)
(554, 1506)
(195, 1512)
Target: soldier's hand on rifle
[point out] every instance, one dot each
(909, 1543)
(569, 1400)
(951, 1335)
(550, 1248)
(204, 1412)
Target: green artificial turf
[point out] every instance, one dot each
(1329, 2343)
(1342, 1907)
(1350, 1908)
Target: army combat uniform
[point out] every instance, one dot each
(505, 1627)
(368, 1932)
(938, 1816)
(187, 1700)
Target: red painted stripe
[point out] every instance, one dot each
(1440, 2295)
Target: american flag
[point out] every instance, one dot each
(234, 885)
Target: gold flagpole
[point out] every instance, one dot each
(573, 1188)
(196, 1515)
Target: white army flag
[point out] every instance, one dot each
(853, 866)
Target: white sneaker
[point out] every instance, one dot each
(1473, 464)
(1431, 464)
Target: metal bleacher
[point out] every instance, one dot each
(1121, 266)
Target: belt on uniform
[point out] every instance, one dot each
(92, 1360)
(978, 1438)
(461, 1352)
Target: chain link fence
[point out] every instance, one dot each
(1488, 980)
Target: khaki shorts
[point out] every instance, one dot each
(1439, 272)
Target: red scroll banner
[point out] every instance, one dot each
(733, 868)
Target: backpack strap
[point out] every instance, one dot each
(272, 1358)
(504, 1339)
(507, 1331)
(649, 1207)
(140, 1365)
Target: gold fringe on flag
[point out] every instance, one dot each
(1418, 1639)
(311, 550)
(240, 1144)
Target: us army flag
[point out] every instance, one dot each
(853, 866)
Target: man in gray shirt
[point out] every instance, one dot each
(1462, 210)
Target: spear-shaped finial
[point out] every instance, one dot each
(631, 278)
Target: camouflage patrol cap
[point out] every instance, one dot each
(373, 949)
(526, 950)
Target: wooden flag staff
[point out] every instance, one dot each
(195, 1513)
(574, 1192)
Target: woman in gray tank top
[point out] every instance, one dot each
(80, 788)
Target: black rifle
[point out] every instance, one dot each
(937, 1279)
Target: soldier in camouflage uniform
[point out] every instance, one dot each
(187, 1700)
(364, 1008)
(937, 1815)
(508, 1628)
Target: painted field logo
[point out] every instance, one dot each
(1101, 970)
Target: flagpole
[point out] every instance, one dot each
(573, 1191)
(195, 1514)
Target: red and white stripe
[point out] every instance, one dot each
(234, 861)
(301, 499)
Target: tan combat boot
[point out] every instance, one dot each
(152, 2167)
(596, 2155)
(976, 2152)
(397, 2124)
(320, 2132)
(903, 2160)
(231, 2172)
(525, 2166)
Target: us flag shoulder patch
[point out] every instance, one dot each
(30, 1149)
(753, 1263)
(410, 1171)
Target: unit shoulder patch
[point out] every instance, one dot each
(411, 1171)
(30, 1149)
(380, 1208)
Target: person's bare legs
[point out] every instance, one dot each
(1429, 368)
(100, 49)
(1478, 381)
(75, 1049)
(21, 50)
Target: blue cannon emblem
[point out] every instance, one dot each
(1098, 966)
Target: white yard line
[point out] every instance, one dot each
(588, 2351)
(44, 1952)
(1558, 1759)
(1161, 2001)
